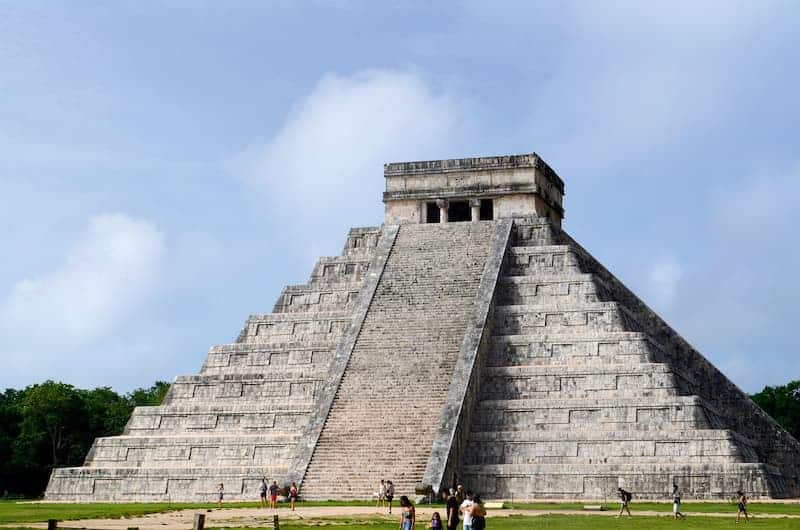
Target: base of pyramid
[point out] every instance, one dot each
(649, 481)
(86, 484)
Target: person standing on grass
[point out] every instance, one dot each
(220, 495)
(742, 506)
(389, 494)
(293, 493)
(466, 510)
(273, 495)
(625, 500)
(676, 502)
(262, 491)
(408, 516)
(451, 510)
(381, 494)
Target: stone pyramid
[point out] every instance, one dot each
(470, 339)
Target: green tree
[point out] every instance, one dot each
(106, 411)
(783, 404)
(149, 396)
(53, 424)
(10, 419)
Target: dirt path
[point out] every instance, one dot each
(257, 517)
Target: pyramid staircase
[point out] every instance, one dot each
(385, 412)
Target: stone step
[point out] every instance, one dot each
(140, 484)
(535, 234)
(551, 289)
(565, 349)
(279, 358)
(587, 318)
(610, 381)
(286, 327)
(589, 447)
(280, 387)
(640, 413)
(318, 299)
(260, 416)
(535, 260)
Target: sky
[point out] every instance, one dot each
(167, 167)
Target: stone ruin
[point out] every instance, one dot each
(468, 338)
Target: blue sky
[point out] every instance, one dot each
(165, 168)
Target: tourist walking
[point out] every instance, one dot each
(262, 491)
(436, 522)
(220, 495)
(451, 510)
(408, 516)
(676, 502)
(381, 494)
(293, 493)
(742, 506)
(466, 510)
(389, 494)
(625, 500)
(273, 495)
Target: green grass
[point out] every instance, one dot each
(14, 512)
(686, 507)
(559, 522)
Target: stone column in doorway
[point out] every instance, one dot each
(475, 206)
(443, 206)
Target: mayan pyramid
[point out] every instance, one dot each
(468, 338)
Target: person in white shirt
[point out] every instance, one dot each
(465, 511)
(382, 494)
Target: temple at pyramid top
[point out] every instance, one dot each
(472, 189)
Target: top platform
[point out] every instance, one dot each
(479, 188)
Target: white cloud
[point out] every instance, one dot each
(324, 168)
(107, 273)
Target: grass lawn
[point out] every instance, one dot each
(579, 522)
(14, 512)
(686, 507)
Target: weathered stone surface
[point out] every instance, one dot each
(495, 351)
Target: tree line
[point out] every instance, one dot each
(54, 424)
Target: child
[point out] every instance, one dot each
(436, 522)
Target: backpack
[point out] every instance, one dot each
(628, 496)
